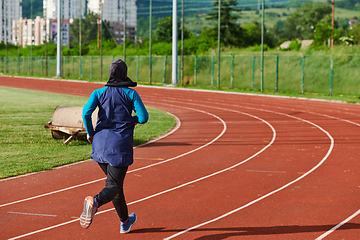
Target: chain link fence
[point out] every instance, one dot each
(318, 74)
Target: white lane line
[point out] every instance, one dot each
(44, 229)
(261, 171)
(177, 126)
(138, 169)
(270, 193)
(323, 115)
(174, 188)
(338, 226)
(33, 214)
(50, 193)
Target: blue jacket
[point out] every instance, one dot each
(113, 134)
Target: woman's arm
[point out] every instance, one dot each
(88, 109)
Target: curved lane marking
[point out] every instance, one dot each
(336, 118)
(272, 192)
(174, 188)
(177, 126)
(138, 169)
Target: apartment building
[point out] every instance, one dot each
(10, 10)
(27, 32)
(113, 12)
(34, 31)
(117, 31)
(71, 9)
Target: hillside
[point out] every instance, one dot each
(196, 11)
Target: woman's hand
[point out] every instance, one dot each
(90, 139)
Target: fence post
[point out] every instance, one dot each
(91, 67)
(22, 67)
(218, 73)
(253, 74)
(150, 69)
(331, 74)
(101, 67)
(303, 75)
(165, 60)
(17, 65)
(277, 73)
(72, 66)
(64, 66)
(179, 69)
(41, 68)
(232, 73)
(195, 69)
(80, 67)
(49, 65)
(212, 71)
(10, 64)
(28, 65)
(34, 70)
(137, 69)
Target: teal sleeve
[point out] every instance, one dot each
(142, 116)
(88, 109)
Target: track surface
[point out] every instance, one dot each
(238, 167)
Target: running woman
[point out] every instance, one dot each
(112, 140)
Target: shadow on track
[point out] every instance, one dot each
(251, 231)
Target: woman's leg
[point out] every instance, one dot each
(113, 190)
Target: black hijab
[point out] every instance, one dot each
(118, 75)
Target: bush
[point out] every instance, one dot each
(295, 45)
(257, 48)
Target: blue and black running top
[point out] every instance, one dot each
(113, 135)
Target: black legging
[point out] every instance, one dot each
(113, 190)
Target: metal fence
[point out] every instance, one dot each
(322, 74)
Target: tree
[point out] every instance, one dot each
(354, 33)
(301, 23)
(323, 32)
(164, 30)
(230, 32)
(89, 30)
(252, 35)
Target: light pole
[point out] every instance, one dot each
(333, 22)
(219, 38)
(174, 45)
(58, 35)
(150, 42)
(262, 47)
(124, 30)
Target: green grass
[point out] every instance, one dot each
(26, 146)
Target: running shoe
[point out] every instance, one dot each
(90, 208)
(125, 227)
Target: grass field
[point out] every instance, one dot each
(26, 146)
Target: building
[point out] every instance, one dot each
(352, 23)
(113, 12)
(70, 9)
(117, 31)
(10, 10)
(27, 32)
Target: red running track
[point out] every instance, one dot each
(238, 167)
